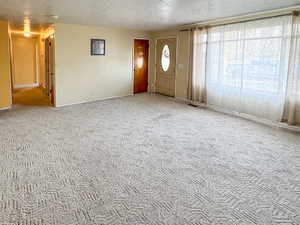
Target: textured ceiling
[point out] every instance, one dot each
(133, 14)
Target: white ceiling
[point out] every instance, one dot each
(133, 14)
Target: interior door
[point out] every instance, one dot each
(165, 66)
(141, 48)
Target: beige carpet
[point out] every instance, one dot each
(145, 160)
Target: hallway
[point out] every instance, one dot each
(30, 97)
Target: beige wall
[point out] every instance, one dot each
(80, 77)
(25, 60)
(182, 60)
(5, 77)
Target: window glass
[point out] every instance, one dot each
(165, 58)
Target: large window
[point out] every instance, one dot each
(247, 65)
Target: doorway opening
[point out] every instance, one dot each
(141, 55)
(32, 68)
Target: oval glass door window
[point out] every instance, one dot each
(165, 58)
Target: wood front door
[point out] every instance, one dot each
(165, 66)
(141, 48)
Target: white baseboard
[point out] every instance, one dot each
(252, 118)
(255, 119)
(90, 101)
(182, 100)
(16, 86)
(241, 115)
(5, 108)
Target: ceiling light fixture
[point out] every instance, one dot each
(55, 17)
(27, 32)
(51, 17)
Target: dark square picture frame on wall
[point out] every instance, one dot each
(97, 46)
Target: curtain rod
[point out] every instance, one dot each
(250, 20)
(259, 16)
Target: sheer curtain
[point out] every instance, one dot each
(247, 66)
(292, 110)
(196, 82)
